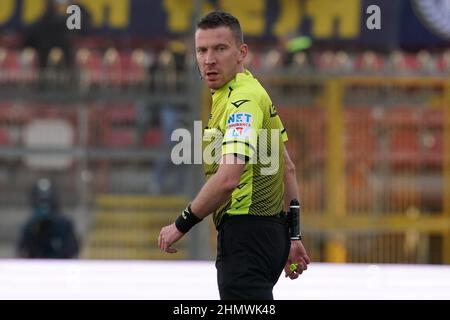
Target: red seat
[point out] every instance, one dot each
(121, 114)
(402, 117)
(361, 146)
(433, 118)
(404, 148)
(433, 144)
(4, 137)
(152, 137)
(15, 112)
(119, 138)
(359, 116)
(306, 131)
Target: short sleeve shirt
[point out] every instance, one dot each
(244, 122)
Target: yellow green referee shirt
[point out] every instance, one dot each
(244, 121)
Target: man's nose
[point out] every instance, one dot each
(210, 59)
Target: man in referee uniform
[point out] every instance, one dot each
(244, 195)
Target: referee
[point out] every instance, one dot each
(255, 238)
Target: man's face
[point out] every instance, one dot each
(219, 57)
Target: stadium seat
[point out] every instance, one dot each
(4, 137)
(152, 137)
(433, 149)
(121, 114)
(119, 138)
(306, 127)
(402, 117)
(361, 146)
(15, 113)
(404, 149)
(433, 118)
(358, 116)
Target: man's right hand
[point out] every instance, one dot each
(168, 236)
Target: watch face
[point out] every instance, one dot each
(435, 15)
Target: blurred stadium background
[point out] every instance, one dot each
(367, 114)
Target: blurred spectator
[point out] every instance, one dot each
(325, 61)
(170, 66)
(369, 62)
(28, 65)
(111, 67)
(166, 177)
(342, 62)
(272, 60)
(397, 62)
(47, 233)
(301, 63)
(293, 45)
(426, 63)
(444, 62)
(48, 33)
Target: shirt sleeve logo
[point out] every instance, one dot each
(239, 103)
(239, 125)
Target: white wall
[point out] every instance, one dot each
(161, 280)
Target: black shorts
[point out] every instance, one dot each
(251, 254)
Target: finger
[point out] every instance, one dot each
(162, 244)
(171, 250)
(293, 275)
(306, 259)
(304, 266)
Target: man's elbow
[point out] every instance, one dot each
(230, 183)
(289, 169)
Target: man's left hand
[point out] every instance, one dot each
(297, 255)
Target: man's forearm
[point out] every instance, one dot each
(219, 187)
(290, 181)
(211, 196)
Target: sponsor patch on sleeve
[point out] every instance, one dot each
(239, 126)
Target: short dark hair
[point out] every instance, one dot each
(217, 19)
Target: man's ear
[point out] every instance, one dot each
(243, 50)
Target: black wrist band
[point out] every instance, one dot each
(294, 220)
(186, 220)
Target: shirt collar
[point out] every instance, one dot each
(239, 76)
